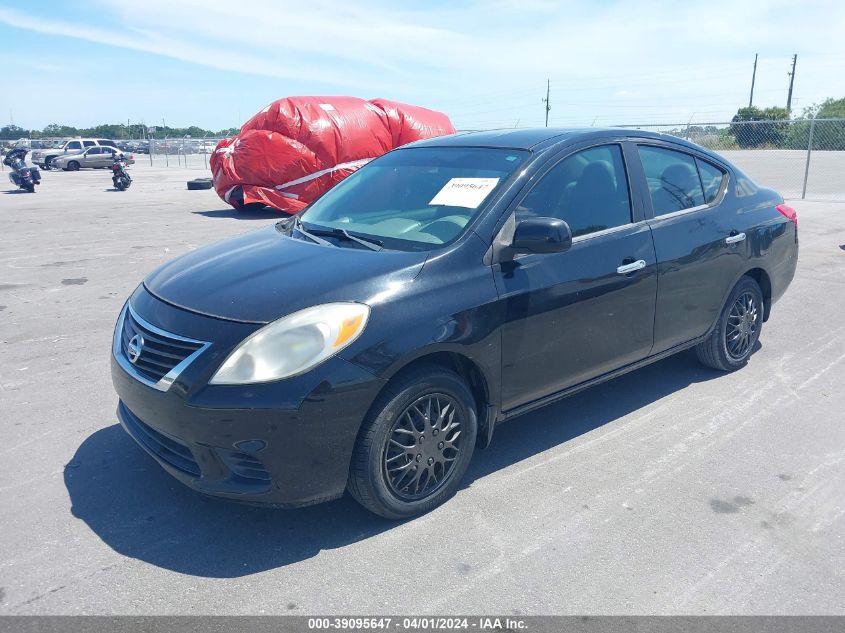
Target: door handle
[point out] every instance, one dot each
(624, 269)
(733, 239)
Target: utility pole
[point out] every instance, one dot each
(753, 77)
(791, 80)
(546, 101)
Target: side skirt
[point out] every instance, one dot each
(545, 400)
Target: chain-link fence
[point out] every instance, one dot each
(182, 151)
(802, 158)
(185, 152)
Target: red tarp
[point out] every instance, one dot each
(297, 148)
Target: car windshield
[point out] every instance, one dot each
(415, 198)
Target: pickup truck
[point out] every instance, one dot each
(44, 157)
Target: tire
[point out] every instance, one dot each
(118, 184)
(402, 406)
(732, 341)
(73, 166)
(196, 185)
(29, 186)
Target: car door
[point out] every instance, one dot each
(73, 147)
(93, 157)
(106, 156)
(576, 315)
(698, 248)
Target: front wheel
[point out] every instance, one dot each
(415, 445)
(737, 331)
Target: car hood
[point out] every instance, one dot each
(263, 275)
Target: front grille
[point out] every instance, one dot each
(162, 354)
(164, 447)
(245, 467)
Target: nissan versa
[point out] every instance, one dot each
(372, 341)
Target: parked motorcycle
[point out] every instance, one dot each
(22, 176)
(120, 178)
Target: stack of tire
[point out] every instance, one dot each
(199, 183)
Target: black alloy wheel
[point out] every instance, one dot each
(423, 445)
(741, 326)
(416, 443)
(734, 337)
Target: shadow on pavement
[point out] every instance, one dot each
(265, 213)
(141, 512)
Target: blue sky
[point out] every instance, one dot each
(214, 63)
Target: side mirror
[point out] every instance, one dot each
(541, 235)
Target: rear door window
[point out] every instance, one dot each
(107, 143)
(74, 145)
(88, 143)
(672, 179)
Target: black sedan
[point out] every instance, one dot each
(373, 341)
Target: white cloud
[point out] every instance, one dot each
(487, 61)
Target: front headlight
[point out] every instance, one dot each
(293, 344)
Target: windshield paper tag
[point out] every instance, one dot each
(465, 192)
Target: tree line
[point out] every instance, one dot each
(773, 128)
(116, 131)
(783, 132)
(751, 127)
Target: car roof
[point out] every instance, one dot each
(539, 138)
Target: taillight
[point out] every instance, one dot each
(789, 213)
(131, 156)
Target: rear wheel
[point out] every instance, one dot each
(73, 166)
(415, 445)
(29, 186)
(732, 341)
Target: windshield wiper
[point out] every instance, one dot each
(372, 244)
(314, 233)
(297, 224)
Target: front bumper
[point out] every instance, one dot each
(286, 443)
